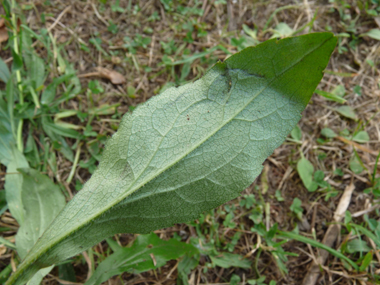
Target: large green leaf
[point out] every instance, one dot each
(42, 201)
(306, 170)
(227, 260)
(186, 264)
(48, 127)
(147, 252)
(189, 149)
(13, 183)
(7, 124)
(37, 278)
(10, 156)
(35, 67)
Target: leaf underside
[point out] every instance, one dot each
(42, 200)
(190, 149)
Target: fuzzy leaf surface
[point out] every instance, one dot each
(42, 201)
(189, 149)
(13, 183)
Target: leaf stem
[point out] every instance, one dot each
(274, 14)
(74, 167)
(290, 235)
(20, 144)
(35, 97)
(18, 77)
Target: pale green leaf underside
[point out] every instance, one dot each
(42, 201)
(189, 149)
(13, 183)
(37, 278)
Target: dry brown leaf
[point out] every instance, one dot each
(3, 249)
(3, 35)
(114, 76)
(354, 144)
(18, 24)
(3, 31)
(330, 236)
(377, 20)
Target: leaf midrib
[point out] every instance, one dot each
(128, 192)
(224, 123)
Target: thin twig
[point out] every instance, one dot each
(89, 264)
(59, 18)
(366, 211)
(362, 148)
(64, 281)
(98, 15)
(330, 236)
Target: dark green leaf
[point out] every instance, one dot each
(3, 202)
(328, 133)
(259, 281)
(66, 272)
(357, 245)
(347, 112)
(306, 170)
(31, 152)
(227, 260)
(17, 61)
(296, 208)
(7, 243)
(61, 131)
(35, 67)
(235, 279)
(356, 165)
(358, 90)
(5, 273)
(330, 96)
(7, 137)
(63, 145)
(374, 33)
(4, 71)
(185, 266)
(366, 261)
(361, 137)
(339, 91)
(147, 252)
(319, 176)
(48, 95)
(296, 133)
(13, 184)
